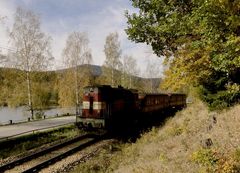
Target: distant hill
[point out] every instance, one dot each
(48, 85)
(97, 71)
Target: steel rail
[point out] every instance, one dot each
(59, 157)
(42, 152)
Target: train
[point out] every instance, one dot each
(107, 107)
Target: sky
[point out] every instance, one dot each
(97, 18)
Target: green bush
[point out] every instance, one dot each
(219, 99)
(220, 89)
(215, 162)
(205, 157)
(237, 155)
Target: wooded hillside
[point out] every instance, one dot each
(53, 88)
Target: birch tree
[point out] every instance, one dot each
(3, 58)
(32, 47)
(129, 71)
(152, 72)
(112, 63)
(76, 53)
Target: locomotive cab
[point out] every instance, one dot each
(106, 107)
(93, 108)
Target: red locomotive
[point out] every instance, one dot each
(106, 107)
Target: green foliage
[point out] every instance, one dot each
(14, 93)
(42, 96)
(237, 155)
(218, 93)
(49, 88)
(175, 130)
(66, 85)
(206, 158)
(213, 161)
(65, 90)
(200, 40)
(221, 99)
(12, 88)
(110, 76)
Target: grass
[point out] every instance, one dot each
(24, 143)
(100, 162)
(194, 140)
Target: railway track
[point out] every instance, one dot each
(42, 159)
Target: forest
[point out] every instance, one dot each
(55, 88)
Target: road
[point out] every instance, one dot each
(10, 130)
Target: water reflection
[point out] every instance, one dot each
(22, 113)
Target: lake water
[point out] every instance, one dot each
(22, 114)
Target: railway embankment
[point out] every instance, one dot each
(194, 140)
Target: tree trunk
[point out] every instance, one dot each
(29, 93)
(152, 85)
(112, 78)
(130, 81)
(76, 91)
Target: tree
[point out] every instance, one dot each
(32, 45)
(11, 87)
(2, 58)
(2, 18)
(46, 95)
(112, 63)
(76, 53)
(66, 89)
(129, 71)
(152, 72)
(200, 40)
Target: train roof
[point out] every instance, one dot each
(132, 90)
(109, 86)
(98, 86)
(169, 94)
